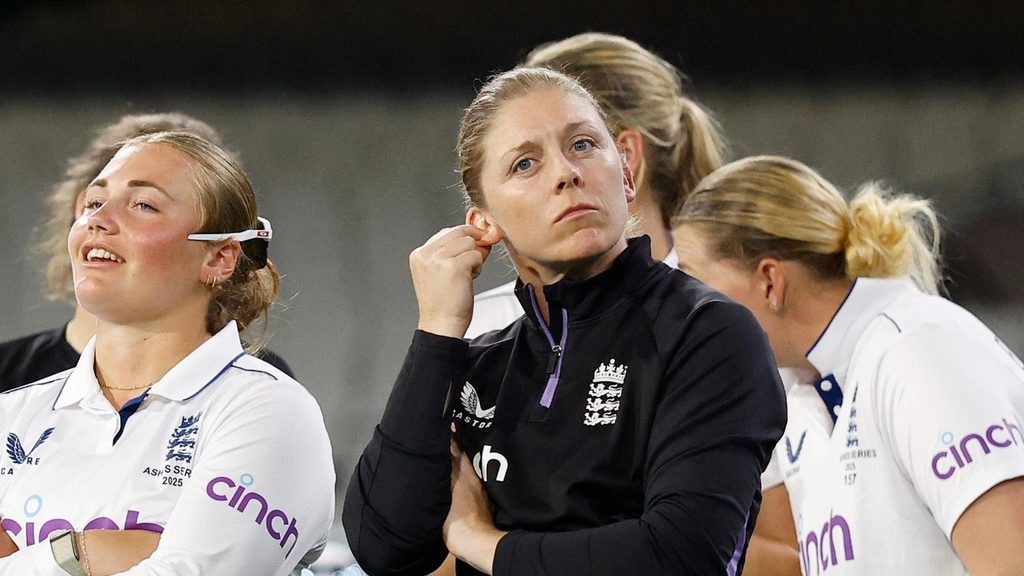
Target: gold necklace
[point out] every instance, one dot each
(126, 388)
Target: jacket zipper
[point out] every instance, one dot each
(554, 367)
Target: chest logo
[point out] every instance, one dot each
(16, 451)
(473, 413)
(182, 443)
(605, 394)
(482, 464)
(790, 454)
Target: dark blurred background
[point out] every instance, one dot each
(345, 114)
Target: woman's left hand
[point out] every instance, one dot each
(469, 530)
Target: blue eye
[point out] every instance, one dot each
(523, 165)
(583, 145)
(92, 204)
(145, 207)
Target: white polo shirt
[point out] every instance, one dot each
(498, 307)
(227, 456)
(929, 412)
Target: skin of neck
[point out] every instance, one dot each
(807, 311)
(80, 329)
(539, 275)
(646, 211)
(130, 355)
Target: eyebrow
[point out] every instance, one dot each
(568, 128)
(102, 183)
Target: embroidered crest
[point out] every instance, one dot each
(16, 451)
(183, 440)
(605, 394)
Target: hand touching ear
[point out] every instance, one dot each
(443, 270)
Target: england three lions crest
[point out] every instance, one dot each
(605, 394)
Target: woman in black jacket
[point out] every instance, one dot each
(620, 427)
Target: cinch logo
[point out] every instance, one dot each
(16, 451)
(998, 435)
(484, 458)
(219, 489)
(790, 454)
(40, 530)
(821, 546)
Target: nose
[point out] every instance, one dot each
(568, 174)
(101, 220)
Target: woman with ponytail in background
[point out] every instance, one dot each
(167, 450)
(904, 451)
(668, 140)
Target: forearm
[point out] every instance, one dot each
(766, 557)
(400, 493)
(108, 552)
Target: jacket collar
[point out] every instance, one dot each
(187, 378)
(592, 296)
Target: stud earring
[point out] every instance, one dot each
(211, 281)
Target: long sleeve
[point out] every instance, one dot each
(721, 412)
(399, 494)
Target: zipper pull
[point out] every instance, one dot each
(556, 352)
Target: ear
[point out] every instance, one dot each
(772, 283)
(628, 183)
(631, 145)
(480, 218)
(220, 261)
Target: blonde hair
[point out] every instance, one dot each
(478, 117)
(770, 206)
(227, 203)
(643, 92)
(52, 242)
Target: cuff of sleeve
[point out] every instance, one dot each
(415, 415)
(503, 564)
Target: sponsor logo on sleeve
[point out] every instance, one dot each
(605, 394)
(241, 497)
(16, 452)
(958, 454)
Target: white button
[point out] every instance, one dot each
(835, 409)
(826, 385)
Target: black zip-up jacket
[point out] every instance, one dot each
(626, 438)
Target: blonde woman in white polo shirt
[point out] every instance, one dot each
(904, 453)
(167, 449)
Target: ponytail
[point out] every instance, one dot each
(893, 236)
(774, 207)
(699, 151)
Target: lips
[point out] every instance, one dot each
(575, 210)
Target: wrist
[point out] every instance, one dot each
(65, 552)
(477, 547)
(448, 328)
